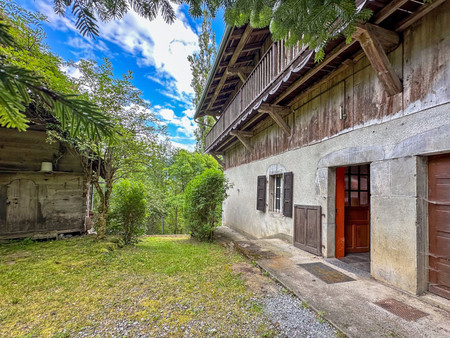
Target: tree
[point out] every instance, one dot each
(30, 74)
(201, 64)
(308, 22)
(130, 210)
(107, 161)
(185, 167)
(203, 203)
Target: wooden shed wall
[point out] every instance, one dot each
(421, 61)
(32, 201)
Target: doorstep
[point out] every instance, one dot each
(355, 303)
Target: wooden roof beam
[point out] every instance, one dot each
(247, 48)
(368, 37)
(215, 155)
(273, 111)
(243, 72)
(244, 137)
(388, 10)
(417, 15)
(328, 59)
(231, 63)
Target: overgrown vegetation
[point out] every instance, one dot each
(140, 151)
(130, 210)
(203, 203)
(163, 285)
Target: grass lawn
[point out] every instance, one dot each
(170, 286)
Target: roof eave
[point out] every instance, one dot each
(222, 45)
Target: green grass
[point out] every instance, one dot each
(170, 285)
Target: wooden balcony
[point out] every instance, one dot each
(271, 67)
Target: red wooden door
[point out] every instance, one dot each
(357, 209)
(439, 224)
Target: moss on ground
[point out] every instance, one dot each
(163, 285)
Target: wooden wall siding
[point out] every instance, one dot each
(421, 59)
(60, 205)
(26, 151)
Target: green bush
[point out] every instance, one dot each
(129, 211)
(203, 199)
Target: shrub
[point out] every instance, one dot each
(129, 211)
(203, 199)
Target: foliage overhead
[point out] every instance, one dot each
(86, 12)
(29, 73)
(307, 22)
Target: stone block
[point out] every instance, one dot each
(380, 178)
(404, 176)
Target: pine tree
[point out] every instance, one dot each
(201, 64)
(21, 86)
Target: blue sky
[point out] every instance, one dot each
(154, 51)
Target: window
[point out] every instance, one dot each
(275, 183)
(357, 186)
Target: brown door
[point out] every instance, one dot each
(21, 206)
(307, 228)
(439, 224)
(357, 209)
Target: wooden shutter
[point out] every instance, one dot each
(287, 194)
(261, 194)
(308, 228)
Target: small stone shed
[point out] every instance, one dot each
(40, 203)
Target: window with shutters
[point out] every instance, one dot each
(261, 194)
(275, 188)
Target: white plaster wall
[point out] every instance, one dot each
(394, 196)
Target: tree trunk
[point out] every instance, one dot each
(176, 220)
(103, 208)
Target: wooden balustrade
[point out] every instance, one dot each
(277, 58)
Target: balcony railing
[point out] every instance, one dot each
(277, 58)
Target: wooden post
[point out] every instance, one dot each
(216, 157)
(244, 137)
(379, 60)
(273, 111)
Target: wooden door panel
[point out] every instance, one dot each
(307, 228)
(439, 224)
(21, 208)
(357, 210)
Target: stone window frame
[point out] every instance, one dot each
(273, 171)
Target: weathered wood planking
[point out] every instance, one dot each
(421, 61)
(26, 151)
(58, 200)
(33, 202)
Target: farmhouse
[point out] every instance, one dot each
(43, 191)
(349, 157)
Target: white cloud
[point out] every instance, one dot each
(189, 147)
(156, 43)
(164, 46)
(185, 124)
(62, 23)
(86, 48)
(72, 71)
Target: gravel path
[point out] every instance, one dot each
(292, 319)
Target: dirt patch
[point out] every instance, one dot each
(16, 256)
(253, 251)
(254, 279)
